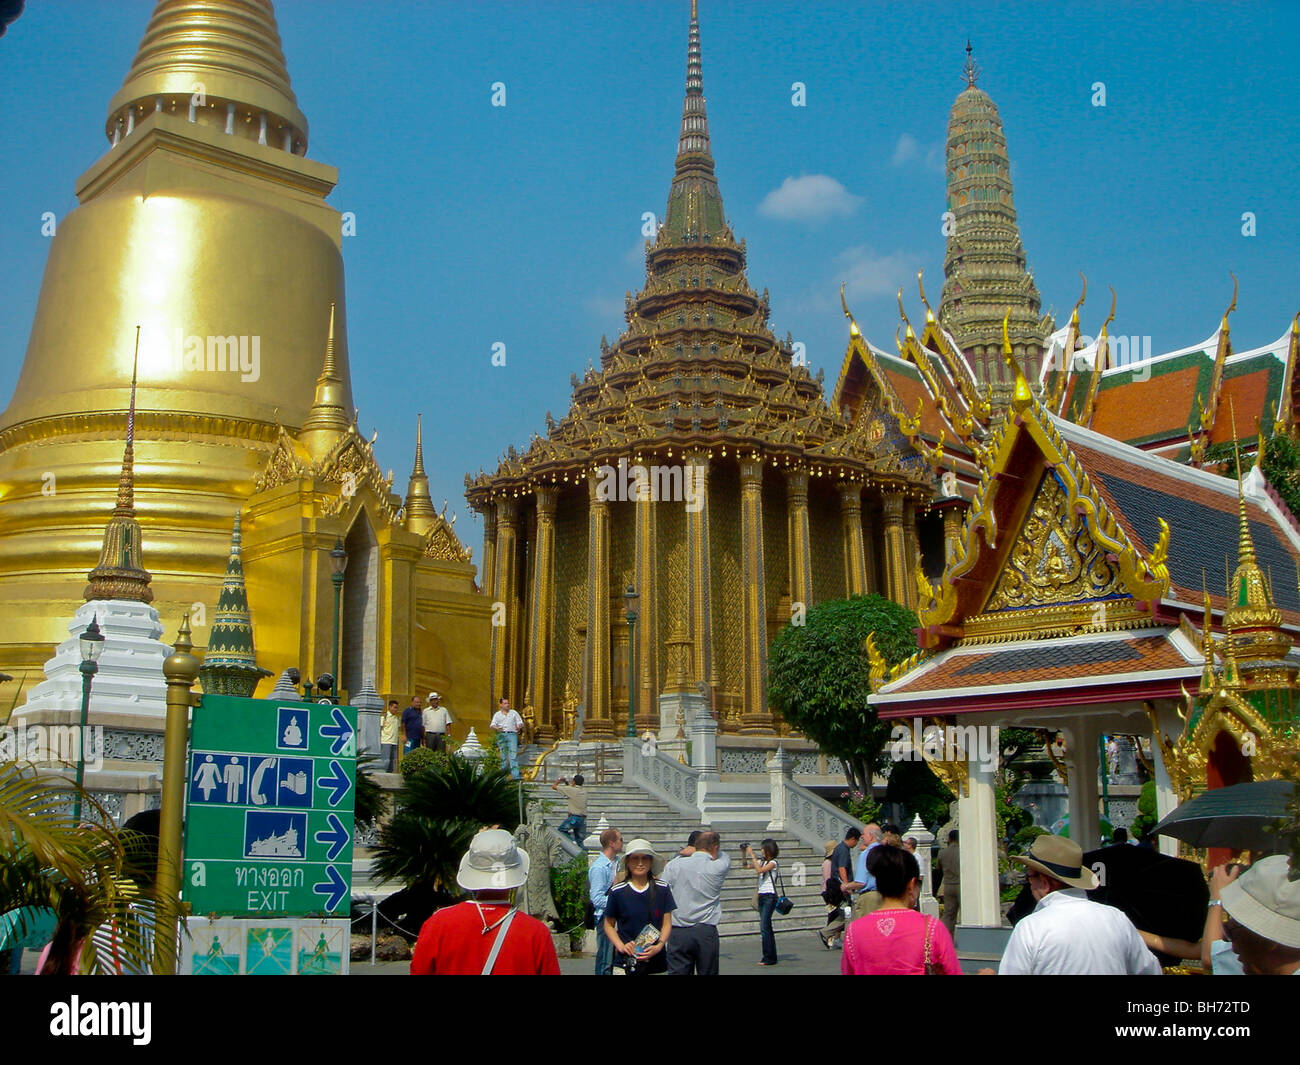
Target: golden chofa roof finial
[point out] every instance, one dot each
(854, 331)
(971, 72)
(920, 285)
(1021, 396)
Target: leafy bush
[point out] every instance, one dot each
(439, 809)
(569, 886)
(1021, 841)
(417, 761)
(1146, 819)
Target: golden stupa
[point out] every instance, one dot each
(205, 225)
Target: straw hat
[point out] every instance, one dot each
(830, 847)
(1266, 902)
(641, 846)
(492, 863)
(1061, 858)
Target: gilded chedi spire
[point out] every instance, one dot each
(225, 57)
(1253, 622)
(121, 573)
(420, 514)
(196, 224)
(230, 664)
(985, 271)
(328, 418)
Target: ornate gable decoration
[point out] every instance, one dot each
(1066, 567)
(442, 543)
(1054, 559)
(350, 464)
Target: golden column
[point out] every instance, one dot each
(599, 721)
(489, 561)
(542, 608)
(754, 716)
(647, 624)
(796, 494)
(504, 607)
(952, 517)
(697, 547)
(911, 549)
(855, 560)
(896, 576)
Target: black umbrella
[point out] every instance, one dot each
(1159, 894)
(1234, 817)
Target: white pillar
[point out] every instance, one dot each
(780, 769)
(981, 896)
(230, 119)
(1166, 798)
(1081, 752)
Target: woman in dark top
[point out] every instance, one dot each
(638, 916)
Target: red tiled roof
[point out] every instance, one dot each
(1136, 410)
(1005, 664)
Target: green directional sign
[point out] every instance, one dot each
(268, 810)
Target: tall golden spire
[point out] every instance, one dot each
(328, 418)
(220, 53)
(121, 573)
(1253, 623)
(695, 210)
(420, 513)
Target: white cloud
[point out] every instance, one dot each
(910, 150)
(809, 198)
(907, 149)
(865, 273)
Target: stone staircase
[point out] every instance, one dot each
(637, 814)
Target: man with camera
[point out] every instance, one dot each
(696, 877)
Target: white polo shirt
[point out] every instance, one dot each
(507, 721)
(1069, 934)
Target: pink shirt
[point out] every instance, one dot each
(892, 943)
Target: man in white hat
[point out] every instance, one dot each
(436, 718)
(1068, 933)
(1261, 916)
(486, 936)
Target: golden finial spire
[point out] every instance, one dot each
(419, 510)
(120, 573)
(328, 418)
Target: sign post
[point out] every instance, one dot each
(270, 796)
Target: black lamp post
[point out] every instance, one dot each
(630, 597)
(92, 644)
(338, 563)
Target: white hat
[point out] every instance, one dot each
(642, 846)
(1265, 901)
(434, 695)
(492, 863)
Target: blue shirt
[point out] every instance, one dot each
(860, 873)
(599, 878)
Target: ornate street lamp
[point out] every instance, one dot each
(630, 597)
(338, 563)
(92, 644)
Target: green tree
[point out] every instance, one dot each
(819, 677)
(439, 809)
(1281, 466)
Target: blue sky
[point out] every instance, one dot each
(521, 224)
